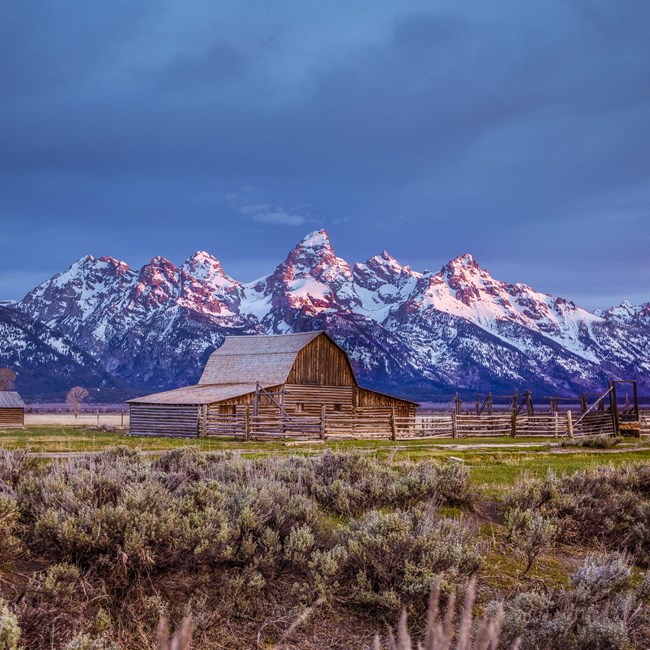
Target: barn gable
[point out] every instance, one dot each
(304, 358)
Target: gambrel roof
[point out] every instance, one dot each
(251, 359)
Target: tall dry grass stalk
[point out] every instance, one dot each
(180, 640)
(440, 633)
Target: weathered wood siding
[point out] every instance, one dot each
(380, 403)
(12, 417)
(321, 363)
(340, 399)
(164, 420)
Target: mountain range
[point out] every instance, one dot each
(124, 331)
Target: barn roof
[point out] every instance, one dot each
(265, 359)
(11, 399)
(201, 394)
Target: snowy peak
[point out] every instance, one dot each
(381, 269)
(205, 268)
(628, 314)
(315, 256)
(206, 287)
(460, 263)
(157, 284)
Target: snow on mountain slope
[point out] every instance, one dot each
(459, 327)
(628, 314)
(45, 362)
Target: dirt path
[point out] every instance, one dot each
(550, 447)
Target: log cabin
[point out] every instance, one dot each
(12, 409)
(288, 384)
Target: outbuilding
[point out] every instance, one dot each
(12, 409)
(287, 384)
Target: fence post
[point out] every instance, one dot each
(247, 423)
(556, 422)
(97, 418)
(393, 425)
(478, 404)
(459, 404)
(203, 420)
(122, 420)
(569, 422)
(515, 404)
(489, 403)
(614, 403)
(454, 425)
(530, 409)
(322, 422)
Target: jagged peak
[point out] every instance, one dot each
(160, 262)
(201, 257)
(464, 261)
(205, 267)
(316, 239)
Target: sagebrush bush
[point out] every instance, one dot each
(600, 507)
(601, 610)
(398, 555)
(600, 441)
(530, 533)
(9, 629)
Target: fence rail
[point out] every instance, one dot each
(382, 425)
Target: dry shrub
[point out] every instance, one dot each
(10, 632)
(396, 557)
(444, 632)
(602, 609)
(603, 507)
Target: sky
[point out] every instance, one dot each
(516, 131)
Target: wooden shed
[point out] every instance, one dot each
(289, 384)
(12, 409)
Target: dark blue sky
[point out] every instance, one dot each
(518, 131)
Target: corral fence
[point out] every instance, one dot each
(493, 416)
(425, 425)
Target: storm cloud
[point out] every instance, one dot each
(515, 131)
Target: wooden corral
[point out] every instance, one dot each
(12, 409)
(256, 386)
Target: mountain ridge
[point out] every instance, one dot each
(458, 328)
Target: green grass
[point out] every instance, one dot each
(494, 467)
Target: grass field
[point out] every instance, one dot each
(493, 461)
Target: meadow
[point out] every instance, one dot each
(284, 545)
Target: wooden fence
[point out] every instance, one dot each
(373, 424)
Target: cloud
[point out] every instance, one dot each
(264, 213)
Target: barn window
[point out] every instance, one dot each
(338, 408)
(300, 407)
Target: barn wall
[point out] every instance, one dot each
(321, 363)
(381, 403)
(12, 417)
(164, 420)
(313, 398)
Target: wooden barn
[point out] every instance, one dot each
(289, 384)
(12, 409)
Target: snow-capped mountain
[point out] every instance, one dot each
(628, 314)
(46, 363)
(418, 332)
